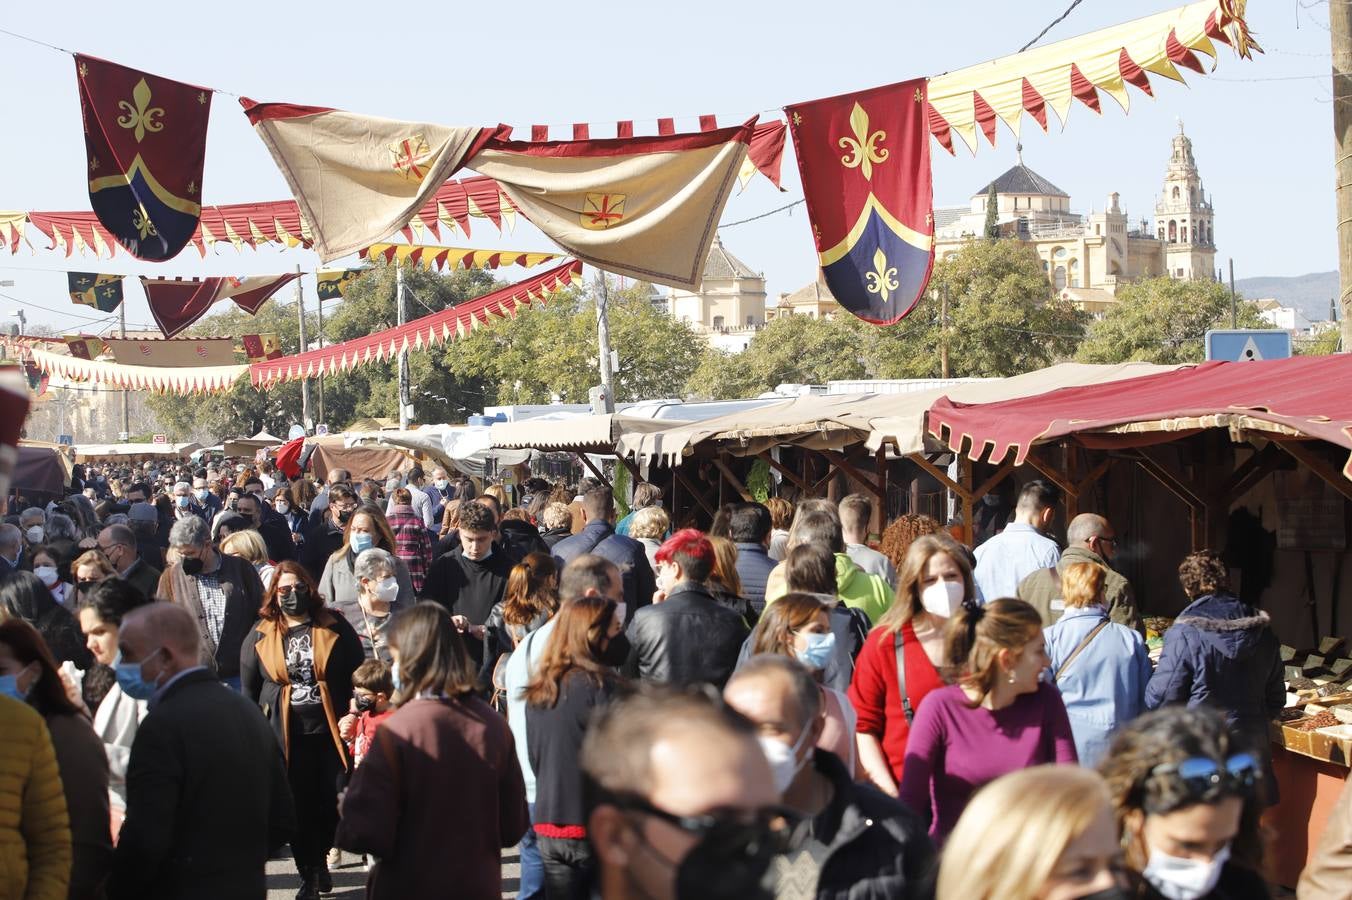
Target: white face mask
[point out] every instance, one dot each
(283, 508)
(1184, 879)
(47, 574)
(942, 597)
(783, 759)
(34, 534)
(620, 610)
(387, 590)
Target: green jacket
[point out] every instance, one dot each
(856, 588)
(1041, 589)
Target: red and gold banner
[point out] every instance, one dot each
(145, 142)
(434, 257)
(258, 347)
(448, 325)
(84, 347)
(177, 303)
(871, 207)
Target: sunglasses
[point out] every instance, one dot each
(1204, 777)
(748, 834)
(292, 588)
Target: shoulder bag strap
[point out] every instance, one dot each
(1079, 647)
(906, 710)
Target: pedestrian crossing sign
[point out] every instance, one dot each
(1248, 344)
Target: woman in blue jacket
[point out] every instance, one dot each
(1100, 666)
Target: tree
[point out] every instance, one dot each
(1163, 320)
(992, 227)
(1003, 318)
(789, 349)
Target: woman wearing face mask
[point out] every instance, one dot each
(799, 626)
(47, 566)
(998, 718)
(573, 678)
(1187, 797)
(90, 569)
(365, 529)
(1045, 833)
(292, 510)
(901, 661)
(28, 674)
(117, 715)
(377, 592)
(440, 791)
(297, 665)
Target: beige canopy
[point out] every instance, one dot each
(251, 445)
(834, 421)
(87, 452)
(578, 434)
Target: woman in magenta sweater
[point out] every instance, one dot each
(998, 718)
(935, 579)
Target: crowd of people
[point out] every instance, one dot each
(201, 667)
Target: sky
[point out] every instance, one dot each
(1261, 129)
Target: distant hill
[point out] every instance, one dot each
(1308, 293)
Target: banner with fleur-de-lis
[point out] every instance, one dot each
(865, 165)
(145, 142)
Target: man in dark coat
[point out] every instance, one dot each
(118, 544)
(271, 527)
(749, 529)
(689, 637)
(470, 579)
(853, 839)
(207, 795)
(598, 536)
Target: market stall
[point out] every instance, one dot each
(133, 452)
(251, 445)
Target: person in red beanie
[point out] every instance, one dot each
(686, 636)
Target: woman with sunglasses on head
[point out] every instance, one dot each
(297, 665)
(998, 718)
(1187, 795)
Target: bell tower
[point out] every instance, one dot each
(1184, 217)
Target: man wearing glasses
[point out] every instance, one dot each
(324, 538)
(1093, 539)
(681, 800)
(118, 544)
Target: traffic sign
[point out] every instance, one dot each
(1248, 344)
(65, 440)
(160, 439)
(321, 428)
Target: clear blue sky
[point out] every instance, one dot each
(1262, 134)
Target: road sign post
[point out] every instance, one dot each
(1247, 344)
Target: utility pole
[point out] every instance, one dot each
(943, 332)
(603, 339)
(304, 382)
(1234, 303)
(1340, 33)
(403, 354)
(319, 379)
(126, 398)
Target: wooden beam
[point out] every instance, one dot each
(1165, 476)
(966, 473)
(1000, 475)
(1053, 474)
(938, 474)
(880, 508)
(694, 491)
(783, 469)
(595, 471)
(732, 479)
(1249, 473)
(844, 464)
(631, 466)
(1309, 457)
(1094, 475)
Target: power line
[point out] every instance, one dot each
(763, 215)
(1057, 21)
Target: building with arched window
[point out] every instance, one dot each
(729, 307)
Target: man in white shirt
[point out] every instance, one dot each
(856, 511)
(422, 504)
(1022, 548)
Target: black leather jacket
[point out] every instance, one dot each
(688, 638)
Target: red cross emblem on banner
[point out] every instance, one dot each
(410, 157)
(602, 211)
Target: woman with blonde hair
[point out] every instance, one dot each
(90, 569)
(998, 718)
(1101, 667)
(650, 527)
(1044, 833)
(248, 545)
(902, 659)
(781, 517)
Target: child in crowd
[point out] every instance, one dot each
(372, 686)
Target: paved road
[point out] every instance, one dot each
(349, 882)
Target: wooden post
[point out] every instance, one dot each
(1340, 34)
(965, 477)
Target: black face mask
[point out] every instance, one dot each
(192, 566)
(85, 587)
(344, 515)
(296, 603)
(364, 702)
(718, 869)
(617, 651)
(1112, 893)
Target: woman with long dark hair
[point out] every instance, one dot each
(439, 793)
(29, 673)
(574, 677)
(297, 665)
(530, 598)
(24, 596)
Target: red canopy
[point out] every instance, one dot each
(1305, 395)
(447, 325)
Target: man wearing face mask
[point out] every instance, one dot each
(440, 492)
(207, 794)
(324, 539)
(31, 522)
(118, 544)
(1092, 539)
(186, 505)
(223, 593)
(271, 527)
(681, 802)
(205, 498)
(323, 498)
(853, 839)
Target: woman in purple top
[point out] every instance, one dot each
(998, 718)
